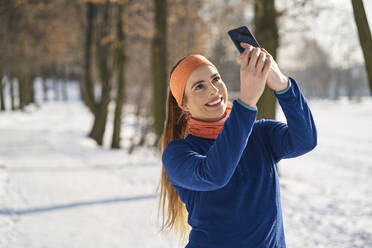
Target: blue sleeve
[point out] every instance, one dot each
(246, 105)
(188, 169)
(299, 135)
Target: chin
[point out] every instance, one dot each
(218, 113)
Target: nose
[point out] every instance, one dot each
(213, 90)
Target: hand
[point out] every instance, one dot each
(254, 71)
(276, 80)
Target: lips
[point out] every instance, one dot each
(214, 101)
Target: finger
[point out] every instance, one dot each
(258, 59)
(246, 56)
(261, 61)
(245, 46)
(267, 66)
(267, 53)
(268, 56)
(254, 56)
(240, 57)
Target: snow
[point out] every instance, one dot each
(58, 189)
(327, 193)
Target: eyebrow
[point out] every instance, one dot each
(203, 80)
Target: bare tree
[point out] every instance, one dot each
(87, 86)
(364, 36)
(266, 31)
(159, 66)
(105, 59)
(120, 96)
(2, 100)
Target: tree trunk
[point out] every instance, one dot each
(21, 92)
(120, 96)
(64, 85)
(100, 117)
(364, 37)
(12, 103)
(159, 65)
(132, 143)
(266, 33)
(24, 89)
(139, 115)
(2, 100)
(105, 67)
(45, 89)
(55, 89)
(30, 90)
(87, 83)
(3, 48)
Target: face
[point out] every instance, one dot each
(205, 95)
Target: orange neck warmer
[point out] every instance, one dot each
(209, 130)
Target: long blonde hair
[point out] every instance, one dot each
(174, 213)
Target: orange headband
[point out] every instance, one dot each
(182, 72)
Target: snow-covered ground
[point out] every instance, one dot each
(58, 189)
(327, 193)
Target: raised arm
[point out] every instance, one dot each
(191, 170)
(299, 135)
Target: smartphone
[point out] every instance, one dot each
(242, 34)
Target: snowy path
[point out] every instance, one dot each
(57, 189)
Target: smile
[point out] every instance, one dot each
(215, 103)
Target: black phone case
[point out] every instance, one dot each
(242, 34)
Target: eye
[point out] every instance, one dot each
(216, 78)
(197, 87)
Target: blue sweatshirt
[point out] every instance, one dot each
(230, 185)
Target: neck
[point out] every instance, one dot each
(207, 129)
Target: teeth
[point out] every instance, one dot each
(215, 102)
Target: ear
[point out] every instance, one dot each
(185, 107)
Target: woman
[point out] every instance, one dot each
(219, 172)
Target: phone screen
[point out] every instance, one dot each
(242, 34)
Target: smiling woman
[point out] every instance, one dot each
(219, 183)
(205, 99)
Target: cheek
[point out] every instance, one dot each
(196, 101)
